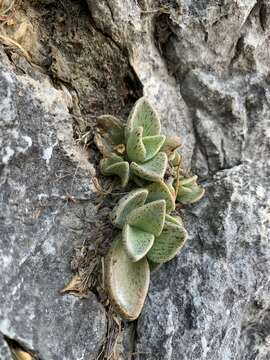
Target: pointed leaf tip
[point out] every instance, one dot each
(189, 191)
(137, 242)
(158, 191)
(192, 196)
(152, 145)
(152, 170)
(168, 244)
(141, 149)
(135, 148)
(129, 202)
(174, 219)
(144, 115)
(149, 217)
(116, 166)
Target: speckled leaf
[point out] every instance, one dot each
(152, 145)
(194, 195)
(143, 115)
(158, 191)
(183, 190)
(168, 244)
(127, 282)
(138, 181)
(110, 166)
(135, 148)
(152, 170)
(188, 182)
(131, 201)
(137, 242)
(110, 160)
(174, 219)
(149, 217)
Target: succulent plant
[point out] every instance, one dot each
(146, 226)
(137, 154)
(150, 234)
(127, 282)
(188, 191)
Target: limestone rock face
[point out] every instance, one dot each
(204, 65)
(38, 226)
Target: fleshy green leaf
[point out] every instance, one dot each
(174, 219)
(168, 244)
(131, 201)
(138, 181)
(158, 191)
(189, 191)
(187, 182)
(152, 145)
(183, 190)
(110, 166)
(141, 149)
(135, 148)
(152, 170)
(127, 282)
(137, 242)
(194, 195)
(143, 115)
(149, 217)
(111, 160)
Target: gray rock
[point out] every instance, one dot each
(39, 227)
(5, 353)
(205, 65)
(212, 302)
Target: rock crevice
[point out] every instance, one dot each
(204, 65)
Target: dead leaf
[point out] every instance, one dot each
(120, 149)
(73, 285)
(19, 354)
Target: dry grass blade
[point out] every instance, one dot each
(73, 285)
(114, 328)
(85, 264)
(9, 42)
(9, 7)
(99, 188)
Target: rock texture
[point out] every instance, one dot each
(38, 227)
(4, 349)
(205, 66)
